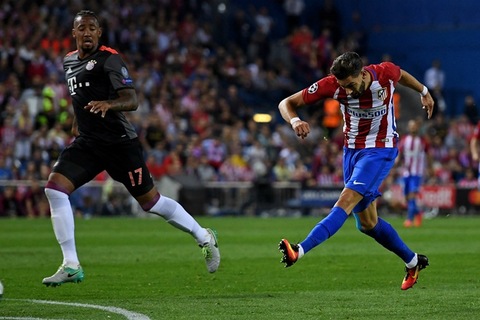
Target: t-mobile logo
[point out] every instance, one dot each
(73, 85)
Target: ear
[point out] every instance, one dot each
(73, 33)
(100, 30)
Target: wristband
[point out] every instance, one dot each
(424, 91)
(293, 120)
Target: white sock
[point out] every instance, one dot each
(300, 251)
(176, 215)
(413, 262)
(63, 225)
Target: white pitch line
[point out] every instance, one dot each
(25, 318)
(128, 314)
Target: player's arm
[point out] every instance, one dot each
(474, 148)
(411, 82)
(288, 111)
(126, 101)
(74, 130)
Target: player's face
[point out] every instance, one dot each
(412, 127)
(354, 86)
(86, 32)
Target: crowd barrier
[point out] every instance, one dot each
(255, 199)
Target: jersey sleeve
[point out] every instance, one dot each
(322, 89)
(476, 132)
(118, 73)
(391, 71)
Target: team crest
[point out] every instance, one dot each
(382, 94)
(313, 88)
(90, 64)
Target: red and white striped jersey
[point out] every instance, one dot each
(369, 121)
(476, 132)
(413, 150)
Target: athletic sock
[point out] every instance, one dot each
(386, 235)
(301, 252)
(63, 224)
(413, 263)
(412, 209)
(325, 229)
(178, 217)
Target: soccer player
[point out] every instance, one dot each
(413, 153)
(474, 149)
(365, 94)
(102, 89)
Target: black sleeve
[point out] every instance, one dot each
(118, 73)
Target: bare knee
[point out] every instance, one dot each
(367, 223)
(368, 218)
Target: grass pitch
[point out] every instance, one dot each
(146, 269)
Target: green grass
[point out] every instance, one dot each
(146, 266)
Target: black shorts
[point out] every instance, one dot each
(84, 159)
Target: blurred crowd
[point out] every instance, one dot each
(202, 70)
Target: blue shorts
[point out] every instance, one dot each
(411, 184)
(364, 171)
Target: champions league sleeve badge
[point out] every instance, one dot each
(126, 76)
(313, 88)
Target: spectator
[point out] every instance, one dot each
(435, 81)
(469, 181)
(470, 109)
(10, 204)
(293, 11)
(281, 171)
(36, 205)
(330, 18)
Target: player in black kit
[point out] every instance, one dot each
(101, 90)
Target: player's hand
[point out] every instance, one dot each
(98, 107)
(301, 128)
(427, 103)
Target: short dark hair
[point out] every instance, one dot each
(85, 13)
(347, 64)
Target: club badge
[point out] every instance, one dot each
(90, 64)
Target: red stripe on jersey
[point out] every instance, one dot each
(476, 131)
(111, 50)
(71, 52)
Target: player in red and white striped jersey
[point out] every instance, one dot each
(413, 152)
(474, 147)
(365, 94)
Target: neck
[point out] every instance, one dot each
(367, 77)
(82, 54)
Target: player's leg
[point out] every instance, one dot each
(374, 167)
(370, 224)
(414, 190)
(75, 166)
(131, 170)
(410, 213)
(331, 223)
(177, 216)
(412, 185)
(323, 230)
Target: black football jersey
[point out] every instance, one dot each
(95, 78)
